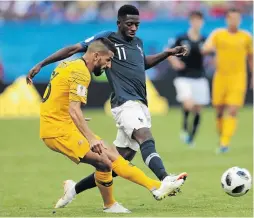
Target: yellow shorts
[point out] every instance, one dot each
(228, 90)
(73, 145)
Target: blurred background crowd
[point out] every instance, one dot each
(29, 26)
(87, 11)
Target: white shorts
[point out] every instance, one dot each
(129, 116)
(192, 89)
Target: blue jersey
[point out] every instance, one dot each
(127, 74)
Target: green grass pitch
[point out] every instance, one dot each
(31, 175)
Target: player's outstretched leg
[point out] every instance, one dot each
(126, 170)
(104, 181)
(89, 182)
(152, 159)
(72, 189)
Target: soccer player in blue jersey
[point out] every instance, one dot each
(128, 100)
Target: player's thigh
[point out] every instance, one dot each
(73, 145)
(124, 143)
(218, 90)
(236, 94)
(183, 89)
(130, 116)
(126, 153)
(201, 91)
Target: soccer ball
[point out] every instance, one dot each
(236, 181)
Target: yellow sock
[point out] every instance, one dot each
(130, 172)
(228, 129)
(104, 181)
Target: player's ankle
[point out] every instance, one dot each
(73, 191)
(164, 175)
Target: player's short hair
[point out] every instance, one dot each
(232, 10)
(101, 45)
(198, 14)
(127, 10)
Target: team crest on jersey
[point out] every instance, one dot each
(81, 90)
(141, 51)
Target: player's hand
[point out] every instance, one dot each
(97, 146)
(36, 69)
(180, 50)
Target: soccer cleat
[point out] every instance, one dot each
(222, 149)
(183, 135)
(116, 208)
(189, 141)
(170, 185)
(69, 194)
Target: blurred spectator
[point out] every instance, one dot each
(76, 11)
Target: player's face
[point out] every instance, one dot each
(196, 22)
(128, 25)
(102, 61)
(233, 19)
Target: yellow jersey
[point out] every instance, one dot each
(69, 82)
(231, 51)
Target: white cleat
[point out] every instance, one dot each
(69, 194)
(116, 208)
(170, 186)
(183, 135)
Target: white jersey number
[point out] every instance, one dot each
(121, 53)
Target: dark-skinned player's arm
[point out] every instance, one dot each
(64, 53)
(57, 56)
(152, 60)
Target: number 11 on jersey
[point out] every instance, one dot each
(121, 53)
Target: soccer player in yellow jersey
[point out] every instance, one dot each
(63, 128)
(233, 47)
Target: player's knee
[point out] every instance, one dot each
(232, 111)
(104, 164)
(197, 109)
(142, 135)
(112, 153)
(219, 111)
(188, 105)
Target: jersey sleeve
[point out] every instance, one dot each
(210, 42)
(104, 34)
(79, 83)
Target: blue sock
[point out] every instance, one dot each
(152, 159)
